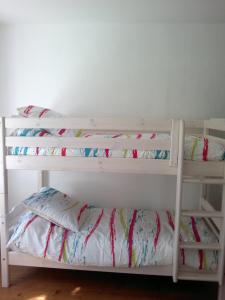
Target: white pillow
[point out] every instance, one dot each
(57, 208)
(32, 111)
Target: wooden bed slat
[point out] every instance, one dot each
(204, 168)
(198, 276)
(111, 124)
(204, 214)
(22, 259)
(58, 163)
(90, 164)
(204, 180)
(90, 142)
(202, 246)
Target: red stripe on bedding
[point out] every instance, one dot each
(42, 133)
(198, 239)
(51, 227)
(85, 206)
(107, 152)
(112, 235)
(170, 221)
(157, 231)
(63, 151)
(63, 243)
(139, 136)
(28, 109)
(130, 237)
(37, 151)
(153, 136)
(135, 153)
(116, 136)
(205, 149)
(29, 222)
(94, 227)
(43, 112)
(61, 131)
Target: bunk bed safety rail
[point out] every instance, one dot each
(100, 125)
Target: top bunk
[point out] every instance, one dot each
(121, 145)
(92, 144)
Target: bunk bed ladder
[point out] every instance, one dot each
(217, 226)
(214, 219)
(222, 238)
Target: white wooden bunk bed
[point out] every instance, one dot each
(202, 172)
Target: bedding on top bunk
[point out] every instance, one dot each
(115, 237)
(195, 148)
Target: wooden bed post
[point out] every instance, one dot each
(178, 200)
(3, 207)
(221, 288)
(42, 179)
(221, 291)
(222, 238)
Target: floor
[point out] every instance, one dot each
(49, 284)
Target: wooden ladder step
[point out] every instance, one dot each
(204, 180)
(201, 213)
(202, 246)
(198, 276)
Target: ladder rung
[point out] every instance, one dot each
(203, 214)
(202, 246)
(198, 276)
(203, 180)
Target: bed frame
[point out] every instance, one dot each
(204, 173)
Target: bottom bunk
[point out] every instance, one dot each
(55, 230)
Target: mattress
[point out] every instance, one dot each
(115, 237)
(195, 148)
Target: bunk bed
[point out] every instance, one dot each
(186, 171)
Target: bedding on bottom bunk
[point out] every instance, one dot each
(116, 237)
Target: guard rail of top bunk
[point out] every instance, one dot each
(97, 164)
(109, 125)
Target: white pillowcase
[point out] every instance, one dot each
(32, 111)
(58, 208)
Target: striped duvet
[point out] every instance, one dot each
(115, 237)
(195, 148)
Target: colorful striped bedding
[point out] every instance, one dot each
(116, 238)
(196, 148)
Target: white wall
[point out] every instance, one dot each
(111, 69)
